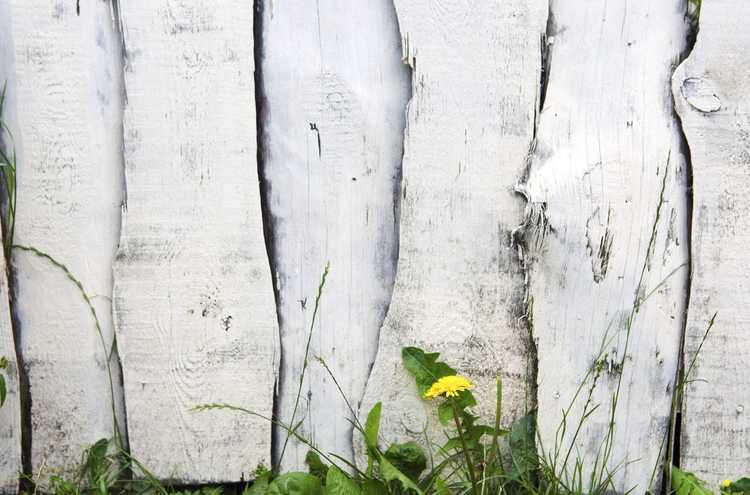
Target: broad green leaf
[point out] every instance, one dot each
(315, 466)
(372, 426)
(523, 448)
(339, 483)
(391, 473)
(441, 488)
(742, 485)
(374, 487)
(295, 484)
(425, 368)
(445, 413)
(684, 483)
(409, 458)
(260, 485)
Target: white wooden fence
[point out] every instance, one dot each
(486, 179)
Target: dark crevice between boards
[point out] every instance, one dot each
(123, 64)
(673, 450)
(534, 226)
(265, 197)
(11, 274)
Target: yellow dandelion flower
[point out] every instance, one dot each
(448, 386)
(726, 483)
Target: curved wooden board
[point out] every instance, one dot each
(607, 162)
(333, 116)
(459, 287)
(710, 92)
(67, 131)
(194, 304)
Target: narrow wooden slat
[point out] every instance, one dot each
(334, 103)
(710, 91)
(607, 148)
(194, 304)
(10, 412)
(67, 130)
(459, 286)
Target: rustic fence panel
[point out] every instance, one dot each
(332, 118)
(139, 150)
(607, 231)
(710, 94)
(459, 289)
(194, 306)
(67, 125)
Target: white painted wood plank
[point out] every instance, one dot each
(606, 139)
(67, 128)
(459, 287)
(10, 412)
(195, 311)
(710, 91)
(333, 119)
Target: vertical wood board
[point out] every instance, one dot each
(334, 106)
(608, 161)
(10, 412)
(67, 129)
(194, 304)
(710, 95)
(459, 287)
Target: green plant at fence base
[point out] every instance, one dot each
(8, 171)
(686, 483)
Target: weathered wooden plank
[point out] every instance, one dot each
(194, 303)
(10, 412)
(710, 91)
(607, 144)
(459, 286)
(333, 118)
(67, 130)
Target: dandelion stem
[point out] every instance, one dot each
(467, 456)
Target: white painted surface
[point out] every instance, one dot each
(67, 130)
(10, 413)
(606, 139)
(195, 310)
(710, 91)
(459, 287)
(333, 121)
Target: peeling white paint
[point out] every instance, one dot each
(710, 90)
(194, 304)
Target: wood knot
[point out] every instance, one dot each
(700, 94)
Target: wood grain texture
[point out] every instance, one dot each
(67, 129)
(710, 95)
(194, 304)
(606, 145)
(459, 287)
(10, 412)
(333, 120)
